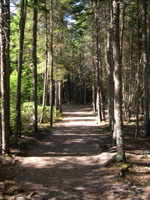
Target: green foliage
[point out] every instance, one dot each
(14, 41)
(80, 25)
(13, 87)
(27, 113)
(124, 166)
(26, 86)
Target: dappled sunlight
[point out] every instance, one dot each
(71, 163)
(39, 162)
(84, 135)
(63, 178)
(79, 123)
(78, 120)
(77, 112)
(74, 140)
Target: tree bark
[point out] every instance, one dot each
(85, 92)
(110, 72)
(20, 57)
(146, 67)
(93, 76)
(56, 95)
(138, 74)
(45, 86)
(60, 95)
(98, 67)
(110, 80)
(51, 71)
(5, 73)
(117, 85)
(34, 60)
(122, 28)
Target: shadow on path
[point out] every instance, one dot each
(76, 135)
(65, 165)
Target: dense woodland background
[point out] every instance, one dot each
(74, 51)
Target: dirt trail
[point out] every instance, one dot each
(64, 166)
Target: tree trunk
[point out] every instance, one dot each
(138, 74)
(98, 67)
(60, 95)
(20, 56)
(56, 95)
(93, 93)
(93, 71)
(45, 87)
(102, 97)
(5, 73)
(34, 60)
(146, 67)
(122, 28)
(84, 91)
(110, 74)
(129, 103)
(117, 85)
(110, 82)
(51, 71)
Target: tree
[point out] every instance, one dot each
(5, 72)
(52, 62)
(138, 73)
(45, 87)
(34, 60)
(98, 65)
(110, 72)
(146, 67)
(118, 131)
(20, 56)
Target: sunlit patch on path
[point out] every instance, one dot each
(69, 164)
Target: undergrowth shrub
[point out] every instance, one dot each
(27, 113)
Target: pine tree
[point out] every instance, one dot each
(23, 9)
(5, 73)
(117, 85)
(34, 60)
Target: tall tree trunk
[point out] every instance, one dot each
(110, 73)
(117, 85)
(5, 72)
(138, 74)
(60, 95)
(20, 56)
(93, 84)
(146, 68)
(0, 77)
(85, 92)
(93, 71)
(102, 97)
(51, 72)
(110, 81)
(98, 66)
(149, 34)
(56, 95)
(122, 29)
(45, 87)
(81, 79)
(131, 70)
(34, 60)
(73, 76)
(93, 93)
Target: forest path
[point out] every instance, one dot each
(66, 166)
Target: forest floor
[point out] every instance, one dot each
(67, 163)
